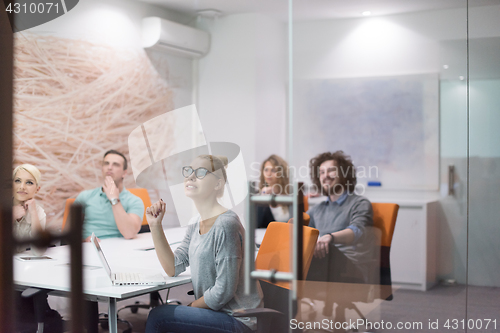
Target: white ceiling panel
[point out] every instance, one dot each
(316, 9)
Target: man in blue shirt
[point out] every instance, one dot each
(110, 210)
(345, 249)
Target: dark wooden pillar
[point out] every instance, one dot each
(6, 248)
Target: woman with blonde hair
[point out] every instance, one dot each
(213, 247)
(28, 220)
(28, 217)
(274, 179)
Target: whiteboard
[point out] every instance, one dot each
(388, 125)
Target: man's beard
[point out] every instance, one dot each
(334, 189)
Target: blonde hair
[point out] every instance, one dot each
(218, 163)
(31, 169)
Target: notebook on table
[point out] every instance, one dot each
(125, 278)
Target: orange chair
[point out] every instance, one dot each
(144, 195)
(140, 192)
(384, 219)
(275, 253)
(306, 218)
(67, 206)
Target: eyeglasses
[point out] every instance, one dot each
(200, 173)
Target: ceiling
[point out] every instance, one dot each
(316, 9)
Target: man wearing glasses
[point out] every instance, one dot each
(110, 210)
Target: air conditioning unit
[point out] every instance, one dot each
(175, 38)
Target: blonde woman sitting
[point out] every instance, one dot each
(28, 220)
(28, 217)
(213, 248)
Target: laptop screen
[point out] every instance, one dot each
(94, 241)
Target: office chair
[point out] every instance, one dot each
(67, 206)
(384, 219)
(305, 218)
(275, 253)
(146, 200)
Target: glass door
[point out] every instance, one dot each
(387, 86)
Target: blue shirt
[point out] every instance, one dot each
(99, 218)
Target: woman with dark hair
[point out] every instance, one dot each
(274, 179)
(213, 248)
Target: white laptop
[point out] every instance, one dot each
(126, 278)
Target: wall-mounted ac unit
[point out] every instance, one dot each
(174, 38)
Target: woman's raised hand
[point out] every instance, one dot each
(155, 213)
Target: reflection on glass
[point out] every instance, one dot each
(159, 166)
(484, 173)
(390, 90)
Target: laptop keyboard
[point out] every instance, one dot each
(128, 277)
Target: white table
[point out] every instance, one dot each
(122, 255)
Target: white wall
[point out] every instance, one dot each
(111, 22)
(484, 106)
(241, 95)
(378, 46)
(242, 85)
(485, 118)
(453, 120)
(383, 46)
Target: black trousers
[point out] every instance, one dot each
(28, 314)
(334, 267)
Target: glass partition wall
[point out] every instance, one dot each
(483, 260)
(412, 98)
(409, 94)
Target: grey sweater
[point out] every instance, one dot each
(216, 261)
(356, 213)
